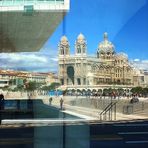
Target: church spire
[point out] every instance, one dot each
(105, 36)
(80, 45)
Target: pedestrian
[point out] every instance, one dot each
(134, 100)
(1, 105)
(50, 100)
(2, 101)
(61, 103)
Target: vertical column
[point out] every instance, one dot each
(81, 71)
(65, 74)
(75, 70)
(75, 80)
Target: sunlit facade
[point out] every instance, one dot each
(106, 69)
(11, 78)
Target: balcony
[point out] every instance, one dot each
(29, 2)
(18, 5)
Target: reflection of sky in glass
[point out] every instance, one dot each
(10, 104)
(125, 21)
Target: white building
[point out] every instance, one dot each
(106, 69)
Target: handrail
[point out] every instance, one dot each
(106, 108)
(112, 104)
(109, 109)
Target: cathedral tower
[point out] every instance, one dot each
(64, 47)
(80, 45)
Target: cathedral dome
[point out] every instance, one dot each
(80, 37)
(106, 46)
(122, 55)
(64, 40)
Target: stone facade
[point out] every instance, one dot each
(81, 70)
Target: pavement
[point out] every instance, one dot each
(89, 113)
(84, 111)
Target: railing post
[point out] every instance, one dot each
(110, 114)
(111, 107)
(115, 112)
(101, 117)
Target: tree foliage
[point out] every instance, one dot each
(140, 91)
(53, 86)
(32, 86)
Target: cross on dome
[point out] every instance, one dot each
(105, 36)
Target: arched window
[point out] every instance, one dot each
(78, 49)
(84, 50)
(62, 51)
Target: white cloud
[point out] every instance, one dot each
(145, 61)
(136, 60)
(55, 59)
(24, 57)
(141, 64)
(43, 61)
(34, 61)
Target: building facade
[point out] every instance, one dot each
(11, 78)
(146, 78)
(25, 25)
(106, 69)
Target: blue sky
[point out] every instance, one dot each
(126, 22)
